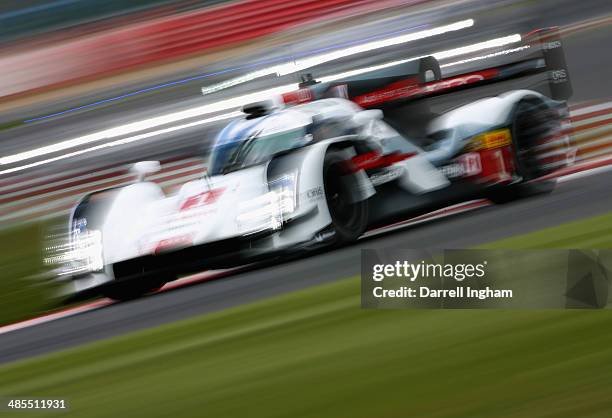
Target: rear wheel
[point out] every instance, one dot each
(533, 121)
(349, 217)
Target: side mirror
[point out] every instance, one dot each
(142, 168)
(366, 116)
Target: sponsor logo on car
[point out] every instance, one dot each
(387, 175)
(202, 199)
(315, 193)
(465, 166)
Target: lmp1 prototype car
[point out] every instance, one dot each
(320, 166)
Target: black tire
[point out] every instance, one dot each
(132, 289)
(532, 121)
(349, 219)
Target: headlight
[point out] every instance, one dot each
(87, 249)
(270, 210)
(490, 140)
(80, 253)
(285, 188)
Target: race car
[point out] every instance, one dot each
(319, 167)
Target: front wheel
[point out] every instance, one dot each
(349, 217)
(132, 289)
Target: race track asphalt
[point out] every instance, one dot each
(589, 63)
(571, 200)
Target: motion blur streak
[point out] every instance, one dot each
(492, 43)
(299, 65)
(488, 56)
(291, 67)
(124, 141)
(450, 53)
(130, 128)
(231, 103)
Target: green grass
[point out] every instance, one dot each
(590, 233)
(10, 125)
(315, 353)
(22, 292)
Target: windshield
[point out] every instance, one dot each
(256, 149)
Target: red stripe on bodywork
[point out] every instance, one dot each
(298, 96)
(375, 159)
(410, 87)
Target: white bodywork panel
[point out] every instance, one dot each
(487, 112)
(471, 119)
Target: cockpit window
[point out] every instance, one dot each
(256, 149)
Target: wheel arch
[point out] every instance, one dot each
(110, 210)
(310, 161)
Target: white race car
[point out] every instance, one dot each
(311, 170)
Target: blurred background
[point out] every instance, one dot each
(88, 87)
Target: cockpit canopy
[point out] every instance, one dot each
(247, 142)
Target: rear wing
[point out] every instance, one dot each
(541, 53)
